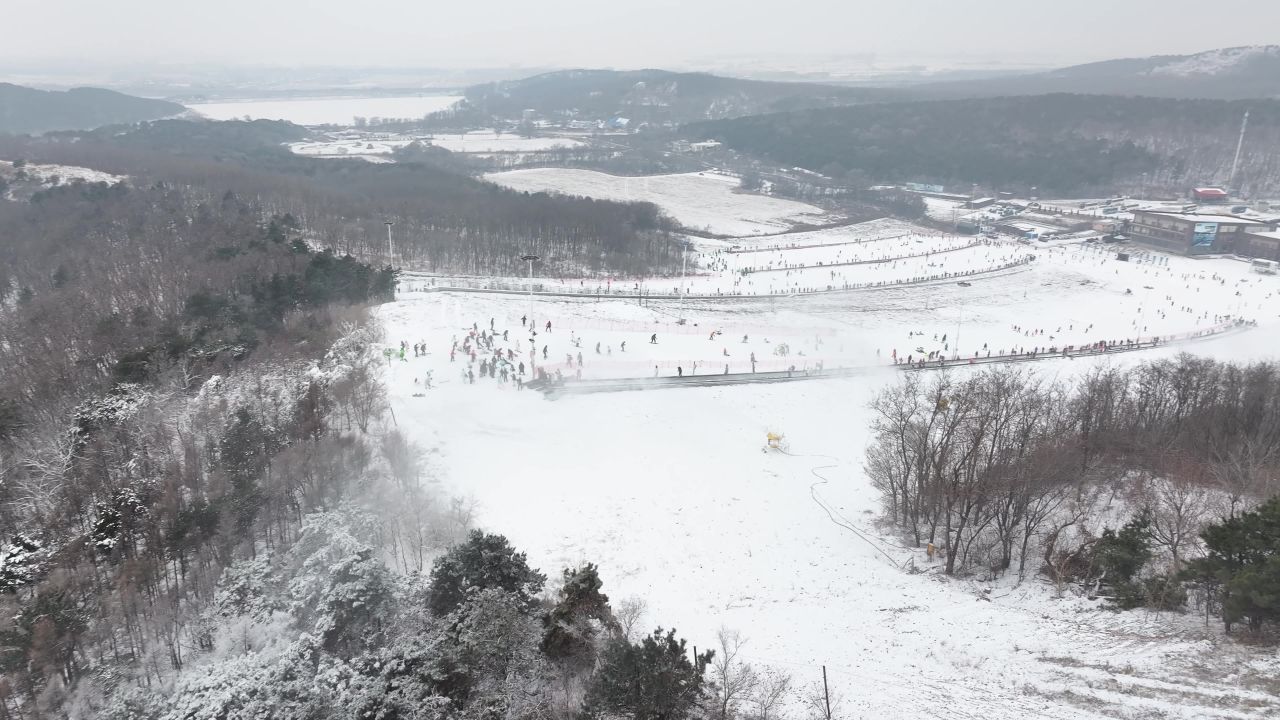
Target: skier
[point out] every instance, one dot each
(653, 339)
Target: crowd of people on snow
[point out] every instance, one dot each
(511, 356)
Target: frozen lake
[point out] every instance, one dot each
(327, 111)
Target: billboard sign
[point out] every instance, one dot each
(1204, 234)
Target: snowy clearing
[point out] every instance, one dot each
(355, 144)
(702, 201)
(53, 175)
(672, 494)
(327, 111)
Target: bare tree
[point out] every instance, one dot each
(773, 690)
(1178, 504)
(630, 614)
(733, 678)
(822, 703)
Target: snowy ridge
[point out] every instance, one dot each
(1216, 62)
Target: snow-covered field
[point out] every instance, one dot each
(839, 235)
(327, 111)
(33, 177)
(670, 492)
(702, 201)
(355, 144)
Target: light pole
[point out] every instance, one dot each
(391, 255)
(684, 259)
(531, 259)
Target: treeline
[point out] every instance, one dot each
(444, 219)
(1001, 470)
(1059, 144)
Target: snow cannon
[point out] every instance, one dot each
(775, 441)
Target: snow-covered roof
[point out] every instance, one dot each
(1204, 217)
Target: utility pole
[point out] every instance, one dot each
(684, 258)
(391, 255)
(826, 692)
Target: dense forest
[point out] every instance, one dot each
(445, 220)
(653, 96)
(1060, 144)
(27, 110)
(1004, 471)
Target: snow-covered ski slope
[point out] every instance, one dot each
(701, 201)
(672, 494)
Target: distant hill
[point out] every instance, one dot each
(1058, 143)
(1239, 73)
(656, 96)
(26, 110)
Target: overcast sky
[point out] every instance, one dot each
(648, 33)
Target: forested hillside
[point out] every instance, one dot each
(26, 110)
(1227, 74)
(1058, 143)
(206, 510)
(655, 96)
(444, 219)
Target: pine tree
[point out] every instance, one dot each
(1120, 555)
(652, 680)
(481, 562)
(574, 625)
(1243, 564)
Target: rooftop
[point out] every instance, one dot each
(1204, 217)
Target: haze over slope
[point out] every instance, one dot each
(1237, 73)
